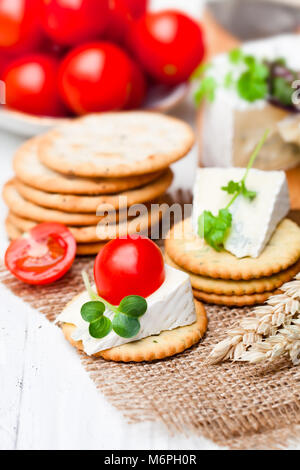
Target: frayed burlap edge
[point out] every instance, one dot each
(236, 406)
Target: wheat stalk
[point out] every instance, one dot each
(273, 331)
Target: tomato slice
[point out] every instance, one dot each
(42, 255)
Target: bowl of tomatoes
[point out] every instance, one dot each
(60, 59)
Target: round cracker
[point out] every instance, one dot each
(116, 144)
(29, 210)
(92, 204)
(32, 172)
(196, 256)
(86, 249)
(234, 300)
(166, 344)
(238, 288)
(12, 231)
(101, 232)
(83, 249)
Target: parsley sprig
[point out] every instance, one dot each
(125, 322)
(215, 229)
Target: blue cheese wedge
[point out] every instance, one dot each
(232, 126)
(253, 222)
(170, 307)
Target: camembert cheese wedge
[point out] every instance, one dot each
(169, 307)
(253, 222)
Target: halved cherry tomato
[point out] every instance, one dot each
(120, 21)
(168, 44)
(32, 85)
(95, 77)
(72, 22)
(137, 7)
(129, 266)
(20, 29)
(43, 255)
(138, 87)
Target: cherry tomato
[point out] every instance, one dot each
(32, 85)
(20, 29)
(129, 266)
(4, 61)
(168, 44)
(72, 22)
(43, 255)
(120, 21)
(138, 87)
(137, 7)
(95, 77)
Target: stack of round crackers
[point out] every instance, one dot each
(221, 278)
(89, 172)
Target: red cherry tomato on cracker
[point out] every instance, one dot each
(71, 22)
(95, 77)
(32, 85)
(20, 29)
(137, 7)
(168, 44)
(130, 266)
(120, 21)
(138, 87)
(43, 255)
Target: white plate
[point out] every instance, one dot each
(160, 98)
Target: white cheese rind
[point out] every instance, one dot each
(253, 222)
(219, 117)
(171, 306)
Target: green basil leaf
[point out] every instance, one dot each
(125, 326)
(92, 311)
(133, 306)
(100, 328)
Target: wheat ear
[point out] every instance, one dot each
(272, 332)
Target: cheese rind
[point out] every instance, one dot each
(170, 307)
(253, 222)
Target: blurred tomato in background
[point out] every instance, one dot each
(168, 44)
(20, 28)
(137, 7)
(120, 21)
(138, 87)
(32, 85)
(95, 77)
(72, 22)
(66, 57)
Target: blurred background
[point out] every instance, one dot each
(59, 60)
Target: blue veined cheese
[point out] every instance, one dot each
(232, 126)
(170, 307)
(253, 222)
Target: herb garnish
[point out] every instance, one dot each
(256, 79)
(125, 322)
(214, 229)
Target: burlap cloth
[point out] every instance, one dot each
(234, 405)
